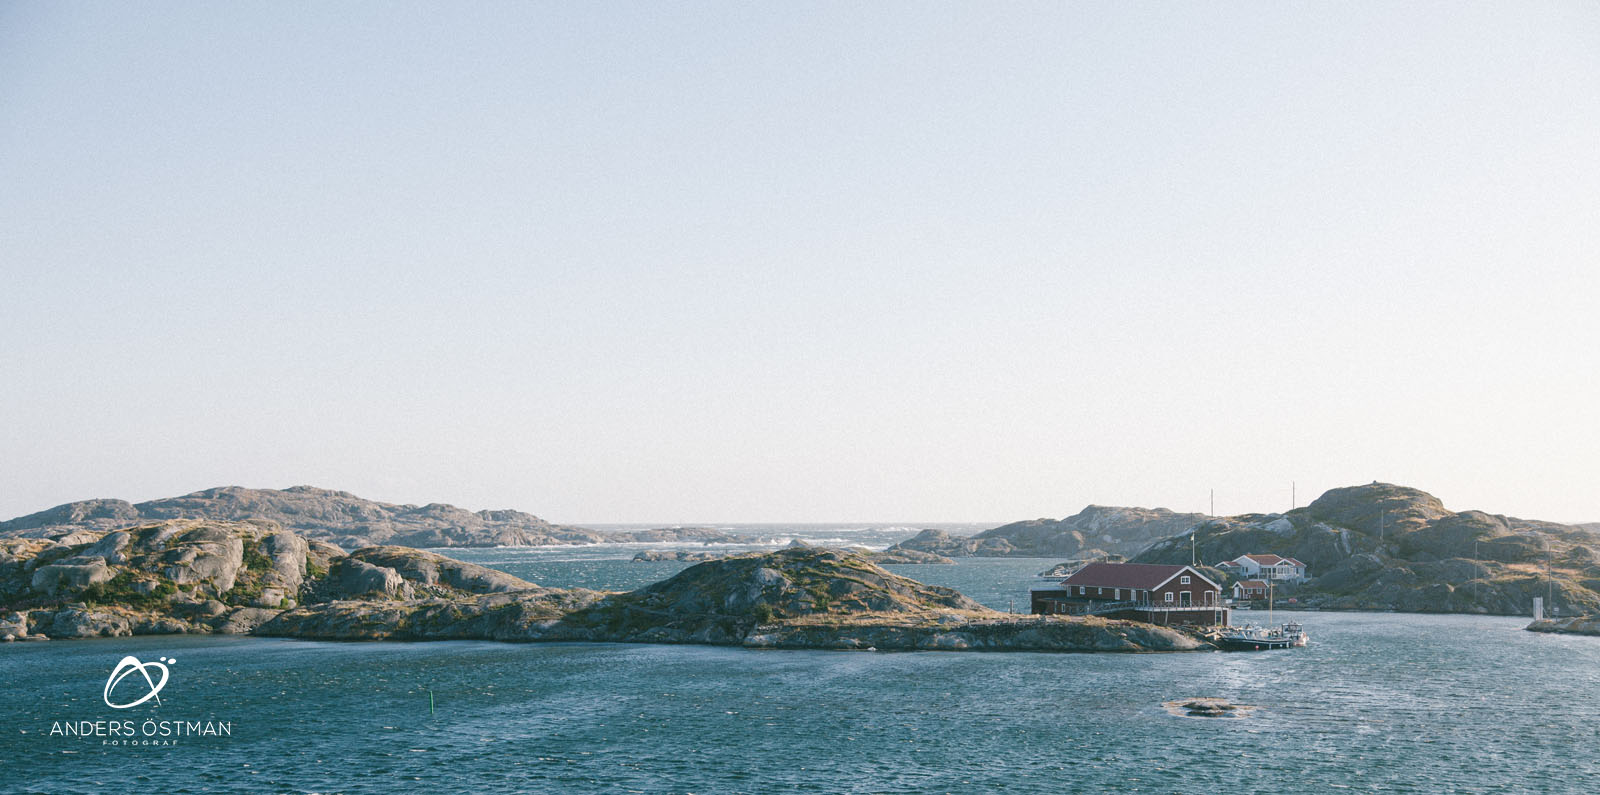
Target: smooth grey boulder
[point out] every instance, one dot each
(209, 608)
(288, 553)
(205, 555)
(78, 537)
(428, 568)
(111, 546)
(273, 598)
(163, 625)
(352, 578)
(71, 575)
(244, 620)
(77, 622)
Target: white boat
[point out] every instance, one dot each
(1252, 638)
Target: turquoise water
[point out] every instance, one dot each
(1378, 702)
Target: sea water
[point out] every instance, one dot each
(1377, 702)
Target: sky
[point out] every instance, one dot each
(763, 262)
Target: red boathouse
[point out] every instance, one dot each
(1139, 591)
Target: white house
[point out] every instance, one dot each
(1267, 567)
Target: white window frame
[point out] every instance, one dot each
(1184, 580)
(1170, 599)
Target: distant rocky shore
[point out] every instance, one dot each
(342, 518)
(1095, 532)
(888, 557)
(255, 577)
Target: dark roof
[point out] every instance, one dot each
(1143, 576)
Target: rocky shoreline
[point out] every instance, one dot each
(1577, 625)
(199, 577)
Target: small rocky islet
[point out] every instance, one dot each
(255, 577)
(880, 557)
(1574, 625)
(1207, 707)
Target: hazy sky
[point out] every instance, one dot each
(784, 262)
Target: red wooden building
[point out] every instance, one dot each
(1249, 590)
(1139, 591)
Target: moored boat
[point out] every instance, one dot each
(1251, 638)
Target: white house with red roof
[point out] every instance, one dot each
(1266, 567)
(1141, 591)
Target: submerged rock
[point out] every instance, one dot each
(1207, 708)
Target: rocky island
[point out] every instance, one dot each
(1377, 546)
(1095, 532)
(342, 518)
(256, 577)
(1386, 547)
